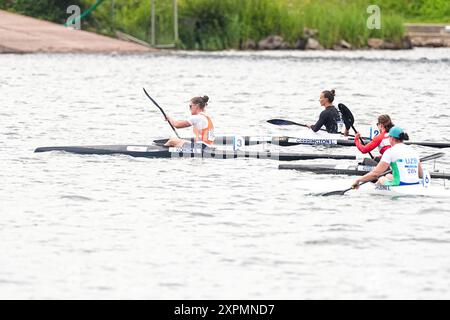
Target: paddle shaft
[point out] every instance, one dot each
(281, 122)
(164, 114)
(361, 184)
(362, 141)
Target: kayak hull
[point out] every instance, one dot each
(283, 141)
(308, 138)
(155, 151)
(403, 191)
(311, 138)
(345, 170)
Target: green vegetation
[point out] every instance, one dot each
(53, 10)
(437, 11)
(223, 24)
(211, 25)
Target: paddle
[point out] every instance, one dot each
(282, 122)
(342, 192)
(439, 145)
(349, 120)
(164, 114)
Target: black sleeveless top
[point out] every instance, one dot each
(328, 118)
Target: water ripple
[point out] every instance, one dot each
(240, 225)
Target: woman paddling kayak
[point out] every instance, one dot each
(201, 124)
(330, 117)
(403, 160)
(381, 141)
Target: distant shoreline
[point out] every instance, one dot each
(23, 34)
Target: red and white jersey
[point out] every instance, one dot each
(381, 141)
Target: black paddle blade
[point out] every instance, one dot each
(336, 193)
(281, 122)
(160, 142)
(340, 192)
(347, 115)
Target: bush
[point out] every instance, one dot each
(214, 25)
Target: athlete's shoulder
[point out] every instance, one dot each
(195, 118)
(387, 155)
(389, 151)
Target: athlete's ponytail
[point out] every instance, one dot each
(202, 102)
(329, 95)
(403, 137)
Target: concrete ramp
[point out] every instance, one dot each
(22, 34)
(429, 35)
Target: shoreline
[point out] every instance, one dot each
(234, 52)
(24, 35)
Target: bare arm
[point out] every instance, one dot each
(381, 168)
(370, 146)
(420, 170)
(179, 124)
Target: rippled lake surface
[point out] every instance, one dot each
(116, 227)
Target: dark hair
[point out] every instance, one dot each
(329, 95)
(403, 137)
(386, 121)
(202, 102)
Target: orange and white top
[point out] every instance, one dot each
(203, 128)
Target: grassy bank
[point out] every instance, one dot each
(436, 11)
(224, 24)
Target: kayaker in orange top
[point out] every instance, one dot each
(201, 123)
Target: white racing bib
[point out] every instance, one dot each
(426, 180)
(210, 136)
(374, 131)
(341, 126)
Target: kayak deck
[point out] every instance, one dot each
(307, 138)
(345, 170)
(282, 141)
(155, 151)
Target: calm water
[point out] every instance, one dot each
(117, 227)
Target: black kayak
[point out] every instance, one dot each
(157, 151)
(349, 170)
(282, 141)
(285, 141)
